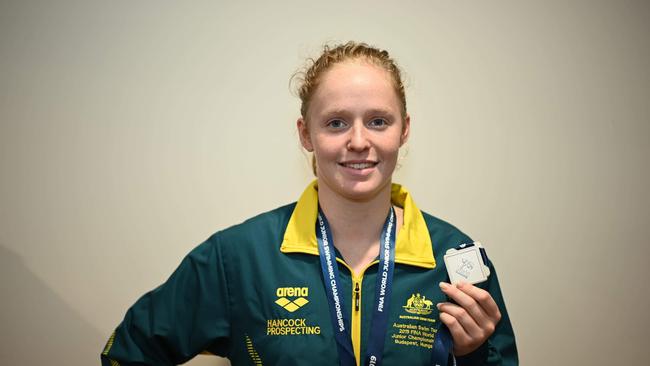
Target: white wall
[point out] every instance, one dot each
(132, 130)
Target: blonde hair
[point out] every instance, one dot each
(309, 79)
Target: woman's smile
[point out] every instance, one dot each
(359, 164)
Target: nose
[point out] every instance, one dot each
(358, 138)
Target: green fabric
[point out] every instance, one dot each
(222, 299)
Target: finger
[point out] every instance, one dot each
(469, 324)
(465, 301)
(457, 331)
(483, 298)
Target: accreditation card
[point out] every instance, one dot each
(467, 263)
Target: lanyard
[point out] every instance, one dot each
(383, 287)
(443, 343)
(442, 348)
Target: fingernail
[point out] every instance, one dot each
(443, 285)
(439, 305)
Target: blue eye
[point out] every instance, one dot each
(336, 123)
(378, 122)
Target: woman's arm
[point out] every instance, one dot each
(186, 315)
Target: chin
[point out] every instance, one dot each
(361, 191)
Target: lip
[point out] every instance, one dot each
(358, 172)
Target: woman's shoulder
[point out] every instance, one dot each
(257, 230)
(443, 234)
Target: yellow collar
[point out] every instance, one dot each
(413, 245)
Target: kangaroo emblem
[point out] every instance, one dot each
(418, 304)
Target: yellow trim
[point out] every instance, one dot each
(109, 344)
(355, 322)
(255, 357)
(413, 245)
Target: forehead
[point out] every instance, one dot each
(355, 86)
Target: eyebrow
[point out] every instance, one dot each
(341, 111)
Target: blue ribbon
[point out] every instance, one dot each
(383, 290)
(330, 270)
(338, 315)
(442, 348)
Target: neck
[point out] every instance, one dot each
(356, 225)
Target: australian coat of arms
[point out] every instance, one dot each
(418, 304)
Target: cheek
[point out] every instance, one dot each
(325, 147)
(325, 156)
(390, 157)
(390, 147)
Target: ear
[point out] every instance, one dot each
(303, 132)
(406, 130)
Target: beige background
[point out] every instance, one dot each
(132, 130)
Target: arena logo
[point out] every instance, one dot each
(298, 294)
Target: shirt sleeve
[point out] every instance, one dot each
(500, 349)
(183, 317)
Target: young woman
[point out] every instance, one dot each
(351, 274)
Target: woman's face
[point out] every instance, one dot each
(355, 128)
